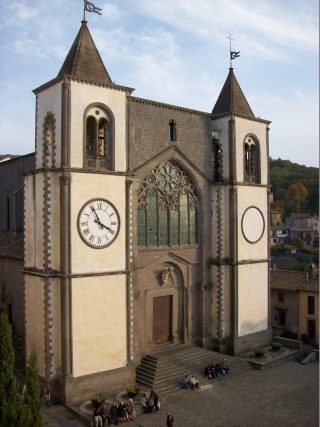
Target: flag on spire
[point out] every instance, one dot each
(234, 55)
(90, 7)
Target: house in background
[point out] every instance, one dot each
(278, 234)
(306, 227)
(295, 302)
(276, 218)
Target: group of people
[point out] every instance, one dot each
(118, 413)
(213, 371)
(190, 382)
(150, 403)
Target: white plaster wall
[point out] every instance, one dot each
(29, 222)
(243, 127)
(49, 100)
(54, 221)
(252, 298)
(252, 196)
(82, 95)
(99, 331)
(35, 319)
(83, 188)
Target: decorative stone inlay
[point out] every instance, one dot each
(252, 224)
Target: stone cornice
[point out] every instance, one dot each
(79, 170)
(168, 106)
(242, 116)
(66, 77)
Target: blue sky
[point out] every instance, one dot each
(175, 52)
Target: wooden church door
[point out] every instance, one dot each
(162, 319)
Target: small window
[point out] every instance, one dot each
(310, 304)
(172, 131)
(251, 160)
(217, 161)
(280, 296)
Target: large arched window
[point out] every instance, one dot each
(98, 139)
(167, 208)
(251, 161)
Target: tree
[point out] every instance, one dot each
(297, 196)
(297, 241)
(32, 398)
(10, 405)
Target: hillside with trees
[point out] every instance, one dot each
(295, 187)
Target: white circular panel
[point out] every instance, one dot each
(252, 224)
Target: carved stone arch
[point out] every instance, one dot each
(49, 142)
(95, 155)
(251, 159)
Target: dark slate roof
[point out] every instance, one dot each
(83, 60)
(293, 281)
(231, 99)
(11, 244)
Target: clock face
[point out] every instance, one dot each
(98, 223)
(252, 224)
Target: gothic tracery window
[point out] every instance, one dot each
(251, 161)
(167, 208)
(98, 139)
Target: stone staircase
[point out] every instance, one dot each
(164, 369)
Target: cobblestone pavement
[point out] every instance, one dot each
(285, 396)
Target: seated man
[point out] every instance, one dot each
(185, 382)
(144, 404)
(97, 419)
(112, 416)
(194, 382)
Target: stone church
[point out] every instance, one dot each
(145, 224)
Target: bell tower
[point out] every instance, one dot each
(76, 228)
(240, 196)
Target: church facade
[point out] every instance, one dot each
(145, 224)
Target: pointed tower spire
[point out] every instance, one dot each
(231, 99)
(83, 60)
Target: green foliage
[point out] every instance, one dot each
(97, 400)
(275, 346)
(9, 397)
(297, 241)
(32, 397)
(259, 352)
(284, 173)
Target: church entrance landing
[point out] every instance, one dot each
(162, 319)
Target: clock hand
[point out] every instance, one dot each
(102, 225)
(97, 220)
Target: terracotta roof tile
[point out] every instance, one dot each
(293, 280)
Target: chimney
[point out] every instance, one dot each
(311, 273)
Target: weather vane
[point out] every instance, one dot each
(90, 7)
(233, 54)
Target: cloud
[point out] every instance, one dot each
(270, 25)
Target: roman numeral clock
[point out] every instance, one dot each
(98, 223)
